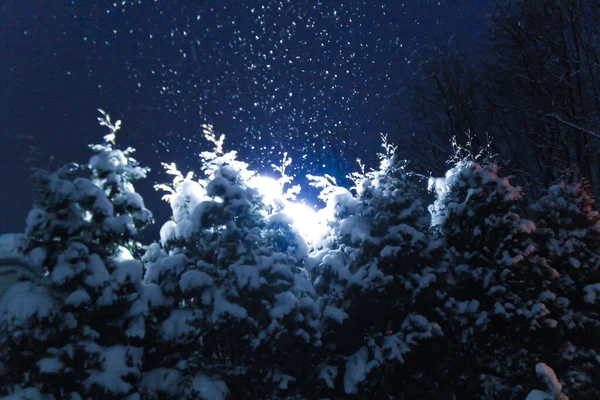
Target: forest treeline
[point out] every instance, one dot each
(387, 297)
(488, 290)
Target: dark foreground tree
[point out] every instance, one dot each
(74, 333)
(242, 319)
(469, 301)
(569, 238)
(497, 303)
(371, 271)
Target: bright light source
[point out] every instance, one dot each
(305, 219)
(267, 187)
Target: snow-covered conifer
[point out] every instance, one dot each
(76, 332)
(372, 273)
(569, 231)
(241, 314)
(569, 238)
(496, 303)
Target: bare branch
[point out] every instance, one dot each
(574, 126)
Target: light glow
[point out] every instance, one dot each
(305, 218)
(267, 187)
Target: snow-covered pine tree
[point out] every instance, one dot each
(75, 333)
(241, 318)
(569, 238)
(373, 275)
(497, 321)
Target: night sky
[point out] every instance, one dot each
(317, 79)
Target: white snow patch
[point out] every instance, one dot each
(164, 380)
(97, 273)
(247, 275)
(78, 298)
(50, 365)
(335, 313)
(208, 388)
(356, 370)
(539, 395)
(286, 302)
(122, 224)
(328, 374)
(24, 300)
(549, 378)
(107, 297)
(115, 368)
(592, 292)
(283, 380)
(168, 232)
(193, 280)
(128, 271)
(222, 306)
(178, 324)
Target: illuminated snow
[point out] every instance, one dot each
(304, 218)
(268, 187)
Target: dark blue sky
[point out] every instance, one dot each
(318, 79)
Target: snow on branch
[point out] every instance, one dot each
(105, 121)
